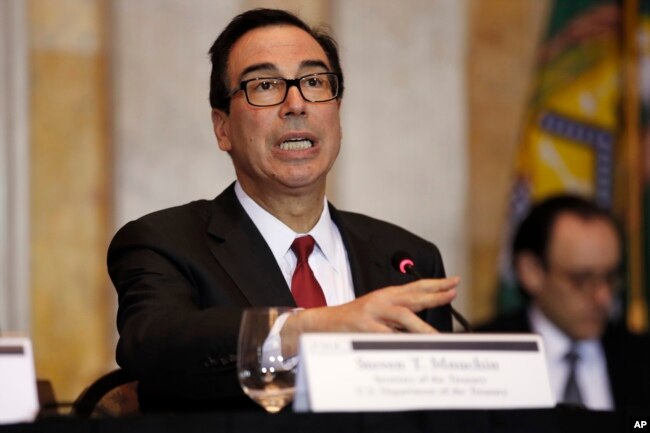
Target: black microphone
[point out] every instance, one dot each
(403, 262)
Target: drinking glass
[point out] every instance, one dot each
(264, 377)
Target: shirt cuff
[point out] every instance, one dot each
(272, 347)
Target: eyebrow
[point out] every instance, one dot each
(313, 64)
(274, 69)
(258, 67)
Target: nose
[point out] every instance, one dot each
(603, 293)
(294, 104)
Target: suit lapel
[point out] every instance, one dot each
(367, 266)
(242, 252)
(615, 368)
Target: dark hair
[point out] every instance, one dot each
(534, 232)
(244, 23)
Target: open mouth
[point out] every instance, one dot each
(296, 144)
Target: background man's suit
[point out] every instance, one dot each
(183, 276)
(628, 358)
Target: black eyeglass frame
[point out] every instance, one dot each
(295, 82)
(587, 281)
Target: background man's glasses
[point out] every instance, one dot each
(585, 281)
(265, 92)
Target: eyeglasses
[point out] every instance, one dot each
(587, 281)
(265, 92)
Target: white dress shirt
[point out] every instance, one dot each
(591, 369)
(328, 261)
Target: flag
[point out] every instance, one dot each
(569, 136)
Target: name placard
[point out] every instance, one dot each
(391, 372)
(18, 396)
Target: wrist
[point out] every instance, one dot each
(290, 333)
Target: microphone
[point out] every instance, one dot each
(403, 262)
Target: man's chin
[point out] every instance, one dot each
(301, 181)
(590, 331)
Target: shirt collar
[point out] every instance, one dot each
(325, 234)
(556, 342)
(279, 236)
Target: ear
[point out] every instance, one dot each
(221, 127)
(530, 272)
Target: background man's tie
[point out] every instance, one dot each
(572, 393)
(304, 286)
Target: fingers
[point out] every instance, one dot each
(405, 301)
(432, 284)
(422, 294)
(392, 309)
(355, 316)
(402, 319)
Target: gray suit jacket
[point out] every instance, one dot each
(184, 275)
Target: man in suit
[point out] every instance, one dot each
(185, 274)
(567, 258)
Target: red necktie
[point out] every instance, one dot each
(304, 286)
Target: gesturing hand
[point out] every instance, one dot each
(391, 309)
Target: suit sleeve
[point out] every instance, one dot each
(176, 346)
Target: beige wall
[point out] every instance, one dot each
(404, 130)
(69, 191)
(14, 169)
(165, 151)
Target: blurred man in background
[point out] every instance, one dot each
(567, 256)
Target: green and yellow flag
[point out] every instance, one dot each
(569, 137)
(572, 135)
